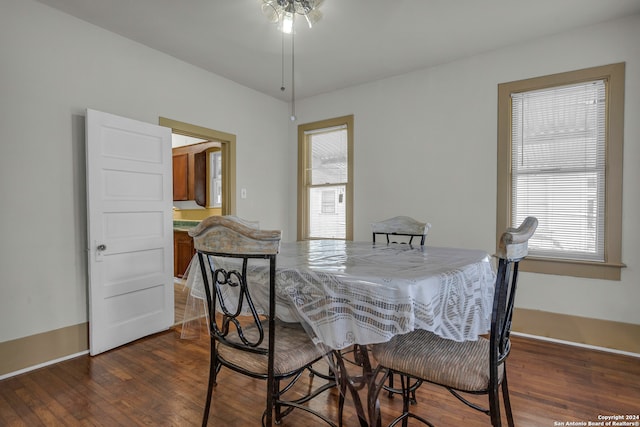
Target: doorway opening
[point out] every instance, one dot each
(227, 142)
(219, 199)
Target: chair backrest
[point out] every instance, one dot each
(251, 224)
(225, 247)
(401, 226)
(513, 247)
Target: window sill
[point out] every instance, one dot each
(566, 267)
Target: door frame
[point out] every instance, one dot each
(228, 146)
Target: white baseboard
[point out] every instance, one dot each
(575, 344)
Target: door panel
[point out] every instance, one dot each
(130, 231)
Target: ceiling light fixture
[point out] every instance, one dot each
(283, 12)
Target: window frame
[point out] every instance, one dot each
(303, 162)
(614, 75)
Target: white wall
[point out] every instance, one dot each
(53, 67)
(427, 142)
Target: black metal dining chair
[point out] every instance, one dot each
(469, 367)
(401, 226)
(236, 258)
(408, 228)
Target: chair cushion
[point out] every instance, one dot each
(293, 350)
(422, 354)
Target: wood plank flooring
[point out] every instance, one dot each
(161, 381)
(180, 294)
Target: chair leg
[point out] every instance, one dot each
(405, 384)
(494, 406)
(391, 390)
(340, 406)
(213, 370)
(207, 407)
(340, 385)
(276, 397)
(414, 400)
(271, 406)
(507, 401)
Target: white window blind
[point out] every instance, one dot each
(558, 168)
(327, 182)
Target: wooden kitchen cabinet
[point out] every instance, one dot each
(180, 177)
(183, 251)
(190, 172)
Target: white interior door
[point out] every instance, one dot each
(130, 230)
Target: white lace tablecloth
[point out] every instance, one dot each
(363, 293)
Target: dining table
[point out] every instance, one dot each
(350, 294)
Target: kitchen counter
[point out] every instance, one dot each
(184, 224)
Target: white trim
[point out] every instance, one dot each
(42, 365)
(575, 344)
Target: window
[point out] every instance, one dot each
(560, 160)
(325, 179)
(329, 202)
(215, 178)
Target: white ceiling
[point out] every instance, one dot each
(356, 41)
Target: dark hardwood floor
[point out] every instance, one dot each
(161, 380)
